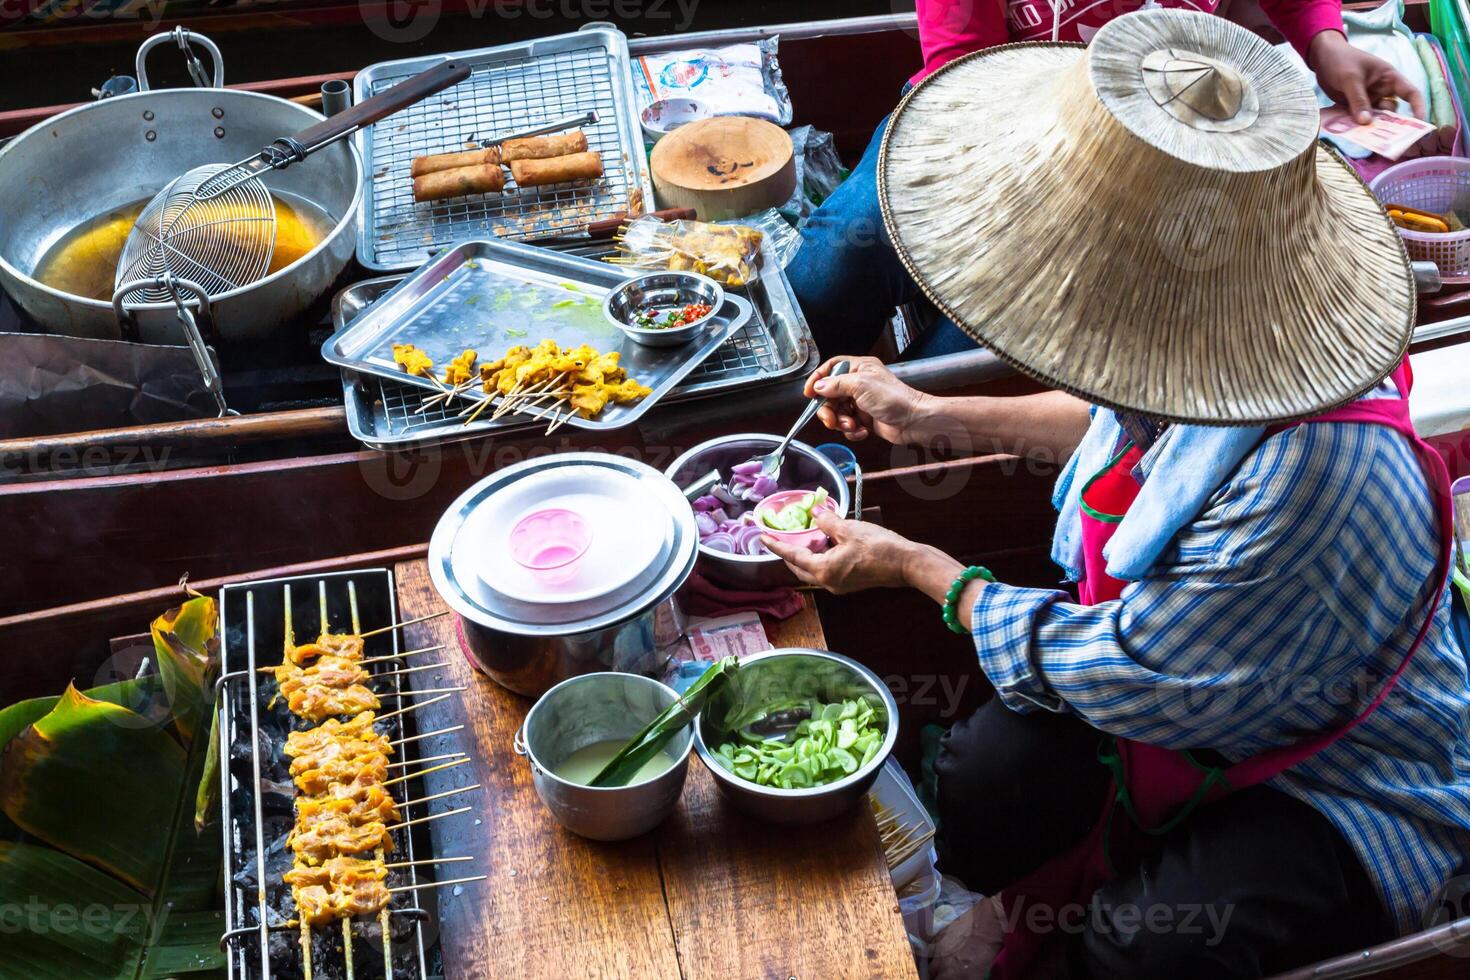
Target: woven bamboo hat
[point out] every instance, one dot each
(1149, 222)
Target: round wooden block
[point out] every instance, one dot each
(725, 167)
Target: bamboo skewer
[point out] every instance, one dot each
(439, 884)
(406, 653)
(484, 404)
(421, 861)
(437, 796)
(432, 758)
(424, 772)
(399, 626)
(290, 641)
(415, 738)
(347, 945)
(407, 670)
(427, 690)
(432, 816)
(414, 707)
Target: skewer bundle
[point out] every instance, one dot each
(575, 380)
(345, 814)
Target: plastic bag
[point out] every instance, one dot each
(728, 254)
(819, 171)
(737, 80)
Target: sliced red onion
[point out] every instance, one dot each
(708, 502)
(706, 523)
(720, 541)
(763, 487)
(749, 467)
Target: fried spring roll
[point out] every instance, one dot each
(534, 173)
(487, 178)
(543, 147)
(451, 161)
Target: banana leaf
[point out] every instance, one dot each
(140, 695)
(187, 647)
(206, 794)
(52, 772)
(621, 769)
(64, 920)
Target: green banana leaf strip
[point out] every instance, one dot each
(187, 646)
(141, 695)
(64, 920)
(52, 772)
(206, 794)
(657, 733)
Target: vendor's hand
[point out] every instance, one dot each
(1359, 80)
(969, 945)
(862, 556)
(868, 399)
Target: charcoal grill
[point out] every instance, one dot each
(257, 796)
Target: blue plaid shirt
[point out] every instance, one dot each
(1275, 615)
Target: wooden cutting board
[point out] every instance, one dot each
(725, 167)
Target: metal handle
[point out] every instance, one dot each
(183, 37)
(192, 336)
(580, 119)
(518, 741)
(810, 412)
(293, 149)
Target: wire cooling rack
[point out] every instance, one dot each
(511, 87)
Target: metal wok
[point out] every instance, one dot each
(90, 160)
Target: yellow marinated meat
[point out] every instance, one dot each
(412, 360)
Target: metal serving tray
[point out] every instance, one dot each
(511, 87)
(384, 413)
(494, 295)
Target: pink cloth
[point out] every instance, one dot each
(950, 28)
(701, 597)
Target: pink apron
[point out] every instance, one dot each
(1157, 788)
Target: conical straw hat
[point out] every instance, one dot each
(1149, 223)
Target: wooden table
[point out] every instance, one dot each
(710, 893)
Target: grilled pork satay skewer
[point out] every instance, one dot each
(325, 629)
(415, 738)
(290, 636)
(406, 653)
(432, 816)
(424, 772)
(414, 707)
(382, 912)
(399, 626)
(443, 860)
(432, 758)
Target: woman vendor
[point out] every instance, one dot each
(1245, 743)
(846, 275)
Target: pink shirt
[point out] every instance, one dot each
(950, 28)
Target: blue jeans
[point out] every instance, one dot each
(847, 276)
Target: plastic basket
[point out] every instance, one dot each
(1441, 185)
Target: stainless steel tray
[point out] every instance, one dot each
(511, 87)
(493, 295)
(384, 413)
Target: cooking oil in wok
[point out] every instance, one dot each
(84, 261)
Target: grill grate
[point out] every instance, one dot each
(497, 98)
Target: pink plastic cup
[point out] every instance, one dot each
(550, 543)
(813, 539)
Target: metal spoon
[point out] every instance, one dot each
(771, 462)
(778, 724)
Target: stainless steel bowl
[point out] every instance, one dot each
(771, 678)
(804, 468)
(662, 290)
(596, 708)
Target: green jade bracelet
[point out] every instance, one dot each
(952, 599)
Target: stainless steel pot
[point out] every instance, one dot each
(88, 161)
(529, 646)
(597, 708)
(777, 676)
(803, 467)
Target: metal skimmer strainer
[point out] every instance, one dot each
(213, 229)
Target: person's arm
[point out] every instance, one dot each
(1349, 75)
(951, 28)
(870, 400)
(1273, 603)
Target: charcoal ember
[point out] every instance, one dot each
(277, 798)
